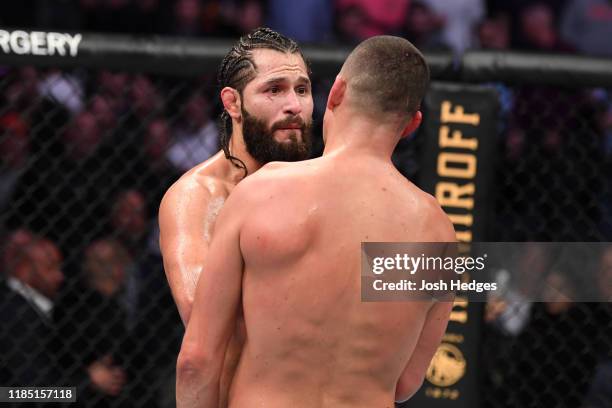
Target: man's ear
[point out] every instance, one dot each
(414, 123)
(337, 93)
(231, 102)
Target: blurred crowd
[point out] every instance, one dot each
(85, 157)
(581, 26)
(556, 352)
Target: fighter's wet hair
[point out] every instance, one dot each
(238, 69)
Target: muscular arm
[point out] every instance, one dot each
(411, 379)
(183, 239)
(214, 314)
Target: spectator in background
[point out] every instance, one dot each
(587, 25)
(145, 100)
(130, 226)
(250, 15)
(22, 93)
(423, 27)
(123, 115)
(513, 7)
(188, 18)
(14, 153)
(361, 19)
(105, 111)
(158, 173)
(63, 194)
(32, 267)
(144, 104)
(350, 23)
(113, 86)
(156, 143)
(92, 324)
(197, 137)
(461, 18)
(494, 32)
(82, 137)
(306, 21)
(129, 220)
(145, 298)
(538, 29)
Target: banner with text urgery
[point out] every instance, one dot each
(456, 165)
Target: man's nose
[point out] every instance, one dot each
(292, 104)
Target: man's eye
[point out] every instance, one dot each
(302, 90)
(274, 90)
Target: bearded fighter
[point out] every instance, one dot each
(267, 101)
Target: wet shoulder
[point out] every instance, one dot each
(199, 181)
(192, 195)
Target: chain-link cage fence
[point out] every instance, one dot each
(86, 155)
(552, 184)
(86, 158)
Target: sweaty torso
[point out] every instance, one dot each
(188, 219)
(216, 190)
(311, 342)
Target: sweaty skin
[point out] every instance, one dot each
(189, 210)
(187, 218)
(293, 261)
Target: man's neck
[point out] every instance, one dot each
(356, 134)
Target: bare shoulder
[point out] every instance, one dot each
(196, 185)
(274, 177)
(188, 205)
(441, 226)
(437, 226)
(185, 190)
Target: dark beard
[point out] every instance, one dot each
(260, 143)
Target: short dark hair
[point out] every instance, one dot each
(387, 75)
(238, 69)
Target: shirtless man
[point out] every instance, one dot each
(267, 100)
(286, 251)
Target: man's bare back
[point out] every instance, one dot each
(301, 274)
